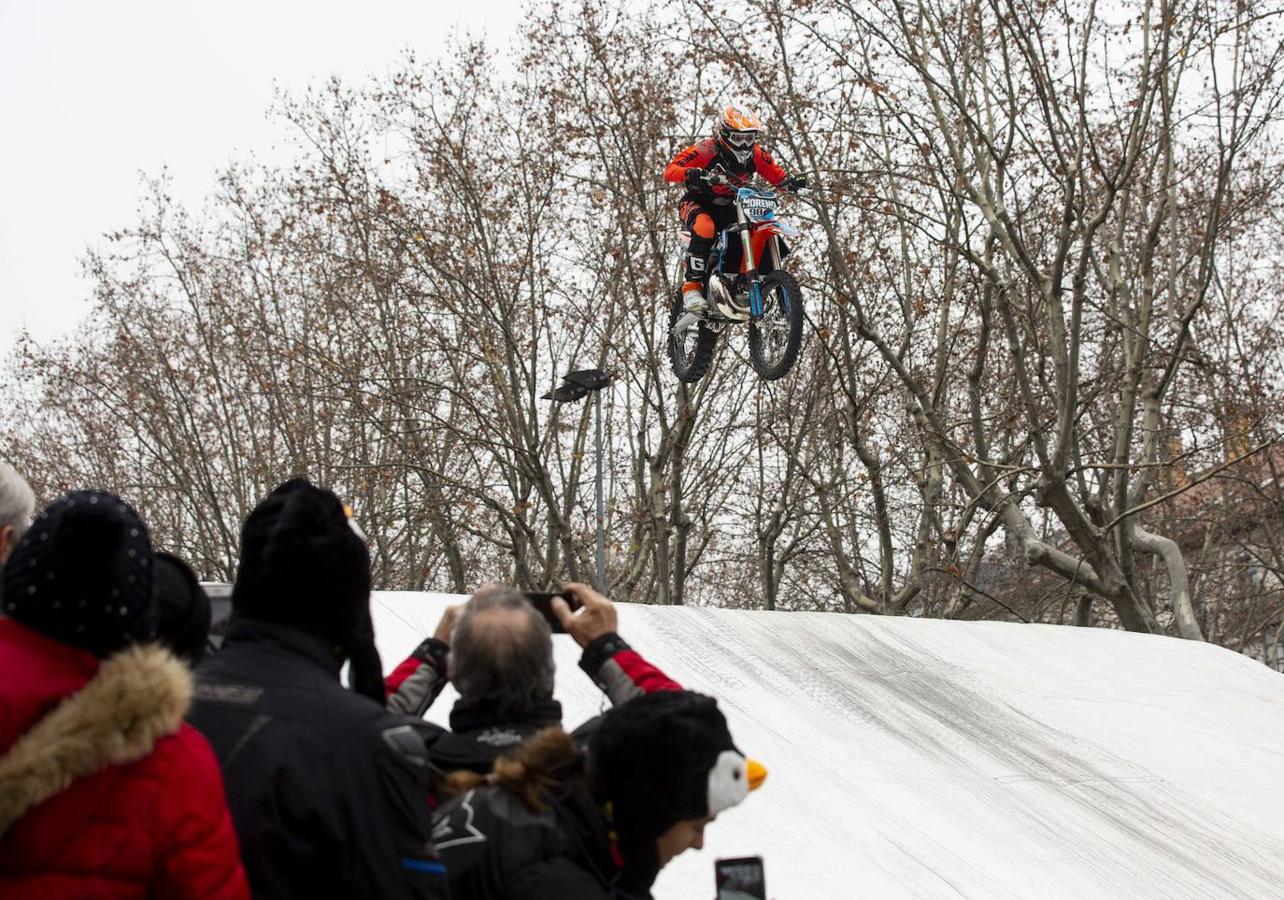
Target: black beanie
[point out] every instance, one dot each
(650, 760)
(82, 574)
(182, 608)
(302, 564)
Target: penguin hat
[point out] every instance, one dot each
(659, 759)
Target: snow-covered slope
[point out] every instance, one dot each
(913, 758)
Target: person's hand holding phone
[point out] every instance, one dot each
(446, 625)
(595, 617)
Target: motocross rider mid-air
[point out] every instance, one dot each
(712, 171)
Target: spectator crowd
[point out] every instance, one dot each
(137, 761)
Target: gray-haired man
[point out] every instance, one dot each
(498, 652)
(17, 506)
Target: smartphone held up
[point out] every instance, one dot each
(740, 878)
(543, 602)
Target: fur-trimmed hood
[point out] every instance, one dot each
(135, 698)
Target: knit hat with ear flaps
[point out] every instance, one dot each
(82, 574)
(182, 608)
(302, 564)
(661, 758)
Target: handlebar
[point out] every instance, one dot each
(716, 178)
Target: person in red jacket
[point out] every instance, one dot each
(104, 791)
(712, 171)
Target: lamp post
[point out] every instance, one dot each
(573, 387)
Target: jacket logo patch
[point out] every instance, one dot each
(445, 834)
(498, 737)
(240, 694)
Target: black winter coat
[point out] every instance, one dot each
(328, 791)
(495, 848)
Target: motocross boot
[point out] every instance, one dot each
(693, 297)
(697, 271)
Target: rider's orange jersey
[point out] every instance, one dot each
(700, 155)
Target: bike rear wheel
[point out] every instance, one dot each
(774, 340)
(690, 352)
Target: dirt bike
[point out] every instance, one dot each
(762, 294)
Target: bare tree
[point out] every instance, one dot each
(1039, 275)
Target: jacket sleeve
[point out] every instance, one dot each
(621, 672)
(767, 167)
(393, 852)
(697, 156)
(416, 682)
(197, 851)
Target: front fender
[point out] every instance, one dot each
(775, 226)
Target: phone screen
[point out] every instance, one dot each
(544, 603)
(740, 878)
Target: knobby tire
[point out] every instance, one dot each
(689, 368)
(782, 284)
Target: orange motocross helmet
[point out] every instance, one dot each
(738, 131)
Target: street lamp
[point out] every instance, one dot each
(573, 387)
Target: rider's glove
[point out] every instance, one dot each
(794, 183)
(696, 178)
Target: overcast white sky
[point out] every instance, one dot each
(93, 92)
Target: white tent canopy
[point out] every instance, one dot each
(924, 758)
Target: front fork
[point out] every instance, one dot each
(751, 264)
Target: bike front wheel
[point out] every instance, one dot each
(774, 339)
(691, 351)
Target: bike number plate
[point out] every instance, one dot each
(758, 209)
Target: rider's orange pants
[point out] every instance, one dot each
(703, 221)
